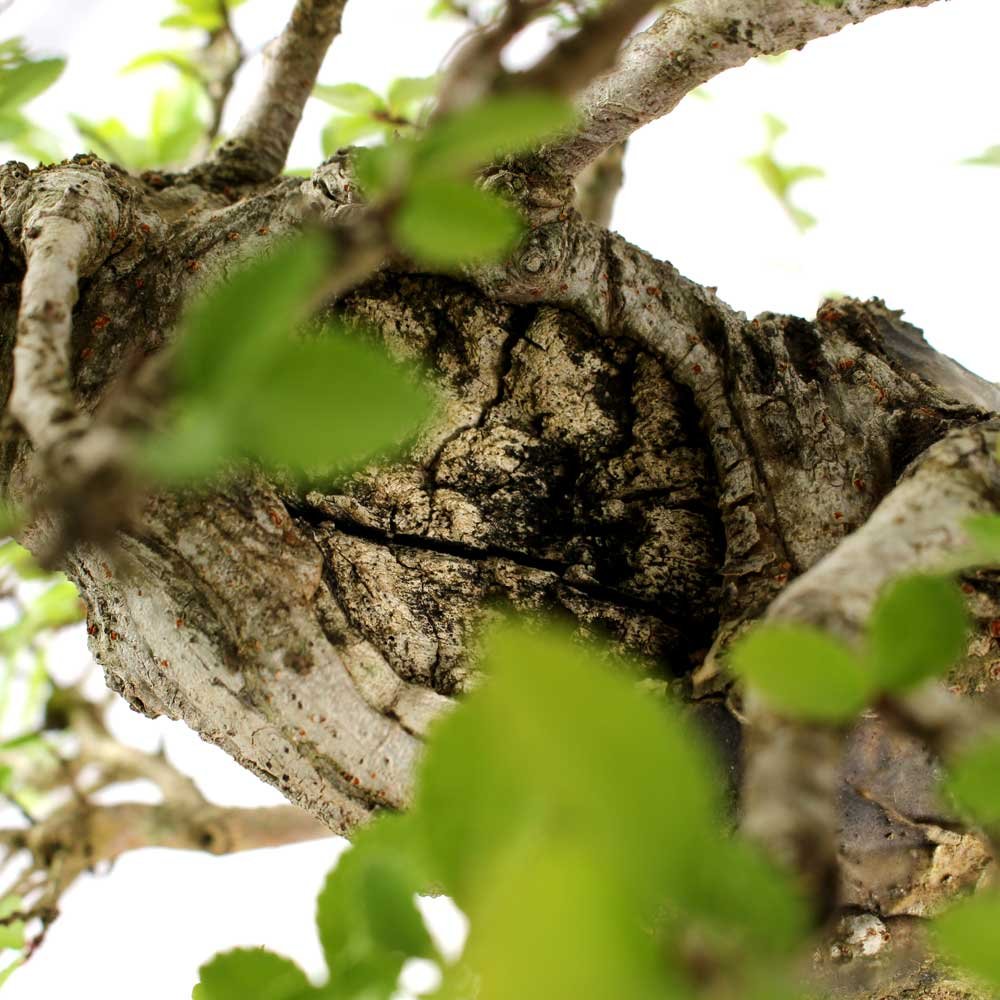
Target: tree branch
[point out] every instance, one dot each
(258, 149)
(598, 185)
(690, 43)
(67, 224)
(576, 60)
(794, 769)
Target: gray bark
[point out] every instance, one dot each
(614, 445)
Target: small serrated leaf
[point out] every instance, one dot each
(250, 973)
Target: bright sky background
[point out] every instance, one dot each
(888, 109)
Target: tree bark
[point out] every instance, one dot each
(614, 444)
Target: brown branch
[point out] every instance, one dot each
(80, 834)
(691, 42)
(598, 185)
(474, 69)
(65, 223)
(793, 769)
(591, 50)
(221, 59)
(258, 149)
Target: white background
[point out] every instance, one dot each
(888, 109)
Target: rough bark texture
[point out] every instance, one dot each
(614, 444)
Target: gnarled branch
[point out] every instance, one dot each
(690, 43)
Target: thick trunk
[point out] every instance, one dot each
(614, 444)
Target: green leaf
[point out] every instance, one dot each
(588, 750)
(503, 125)
(984, 531)
(250, 388)
(743, 891)
(989, 158)
(802, 673)
(58, 606)
(974, 781)
(967, 934)
(779, 178)
(23, 78)
(329, 403)
(355, 98)
(368, 922)
(381, 169)
(917, 630)
(12, 935)
(226, 335)
(179, 60)
(555, 925)
(250, 974)
(445, 223)
(345, 130)
(407, 94)
(203, 21)
(22, 562)
(175, 125)
(6, 973)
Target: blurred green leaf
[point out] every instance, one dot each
(345, 130)
(23, 78)
(175, 123)
(368, 922)
(407, 94)
(251, 388)
(779, 178)
(802, 673)
(917, 630)
(175, 128)
(55, 607)
(989, 158)
(59, 605)
(226, 334)
(12, 933)
(592, 746)
(974, 781)
(445, 223)
(984, 531)
(501, 126)
(6, 973)
(179, 60)
(967, 934)
(22, 562)
(553, 924)
(206, 15)
(355, 98)
(250, 974)
(382, 169)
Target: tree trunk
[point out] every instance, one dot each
(613, 444)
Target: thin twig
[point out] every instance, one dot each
(259, 147)
(690, 43)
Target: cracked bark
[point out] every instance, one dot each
(615, 445)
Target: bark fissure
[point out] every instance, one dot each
(614, 444)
